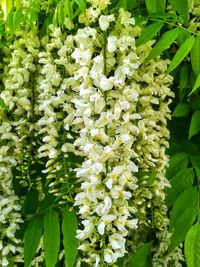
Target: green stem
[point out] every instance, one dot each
(174, 25)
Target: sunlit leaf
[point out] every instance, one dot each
(69, 10)
(165, 41)
(149, 32)
(2, 103)
(69, 227)
(195, 55)
(182, 52)
(60, 14)
(155, 6)
(195, 124)
(51, 237)
(196, 85)
(192, 246)
(182, 225)
(6, 7)
(181, 6)
(32, 238)
(188, 198)
(17, 18)
(81, 4)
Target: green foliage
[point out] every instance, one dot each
(181, 6)
(174, 40)
(164, 43)
(31, 201)
(189, 197)
(69, 227)
(177, 162)
(51, 237)
(195, 124)
(140, 257)
(32, 237)
(155, 6)
(182, 52)
(196, 85)
(181, 181)
(182, 224)
(192, 246)
(195, 55)
(181, 110)
(149, 32)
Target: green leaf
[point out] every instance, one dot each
(6, 6)
(51, 237)
(132, 4)
(123, 4)
(181, 6)
(183, 224)
(139, 258)
(155, 6)
(195, 105)
(196, 85)
(17, 18)
(181, 181)
(149, 32)
(183, 82)
(31, 201)
(69, 227)
(192, 246)
(195, 160)
(181, 53)
(181, 110)
(188, 198)
(60, 14)
(165, 41)
(2, 103)
(32, 238)
(69, 10)
(81, 4)
(177, 162)
(32, 16)
(195, 124)
(9, 23)
(195, 55)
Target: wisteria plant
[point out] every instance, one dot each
(99, 133)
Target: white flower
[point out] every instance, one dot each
(106, 84)
(112, 44)
(117, 241)
(104, 21)
(109, 256)
(101, 228)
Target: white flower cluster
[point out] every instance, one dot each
(55, 110)
(122, 110)
(14, 130)
(92, 13)
(89, 94)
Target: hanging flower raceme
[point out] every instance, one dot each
(119, 137)
(16, 125)
(88, 93)
(56, 112)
